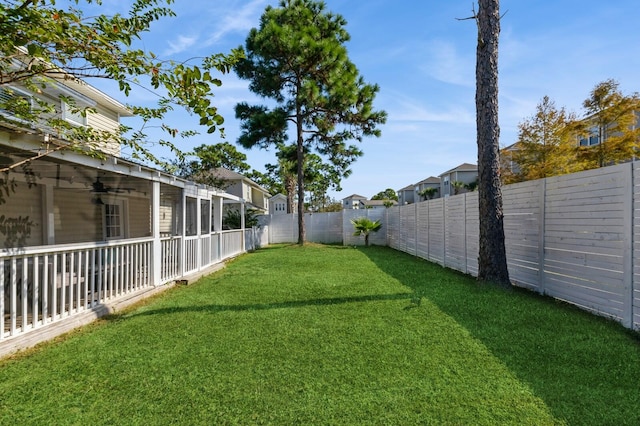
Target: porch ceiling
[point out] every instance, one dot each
(65, 174)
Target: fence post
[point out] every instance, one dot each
(429, 205)
(542, 200)
(464, 235)
(444, 232)
(416, 225)
(627, 260)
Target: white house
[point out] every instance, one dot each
(78, 233)
(278, 204)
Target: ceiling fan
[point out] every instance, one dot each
(98, 187)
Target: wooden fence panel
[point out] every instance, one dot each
(324, 227)
(472, 232)
(585, 244)
(436, 231)
(422, 230)
(522, 228)
(393, 227)
(283, 228)
(455, 227)
(408, 230)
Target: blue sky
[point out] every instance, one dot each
(423, 59)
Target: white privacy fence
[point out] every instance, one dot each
(326, 228)
(574, 237)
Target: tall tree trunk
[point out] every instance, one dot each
(492, 260)
(290, 187)
(300, 159)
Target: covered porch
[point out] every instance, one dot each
(78, 233)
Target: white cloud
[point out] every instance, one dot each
(180, 45)
(446, 64)
(238, 21)
(407, 109)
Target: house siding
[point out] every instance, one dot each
(139, 217)
(25, 202)
(105, 120)
(76, 219)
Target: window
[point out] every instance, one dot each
(74, 117)
(205, 216)
(213, 217)
(191, 219)
(15, 102)
(114, 220)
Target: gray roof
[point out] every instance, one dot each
(230, 175)
(360, 197)
(430, 179)
(464, 167)
(408, 188)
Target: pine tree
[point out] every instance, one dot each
(298, 59)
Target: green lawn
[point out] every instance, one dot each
(333, 335)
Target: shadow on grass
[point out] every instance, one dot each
(266, 306)
(585, 368)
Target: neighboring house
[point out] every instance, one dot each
(278, 204)
(507, 163)
(353, 201)
(78, 233)
(255, 196)
(430, 182)
(465, 173)
(378, 204)
(407, 195)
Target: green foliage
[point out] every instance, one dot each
(387, 194)
(333, 206)
(298, 59)
(471, 186)
(546, 144)
(457, 186)
(428, 192)
(365, 226)
(233, 219)
(612, 117)
(200, 165)
(43, 41)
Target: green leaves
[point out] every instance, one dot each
(63, 41)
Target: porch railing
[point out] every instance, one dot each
(42, 285)
(46, 284)
(231, 243)
(170, 252)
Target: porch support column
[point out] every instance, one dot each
(156, 249)
(242, 224)
(183, 243)
(199, 231)
(48, 216)
(217, 205)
